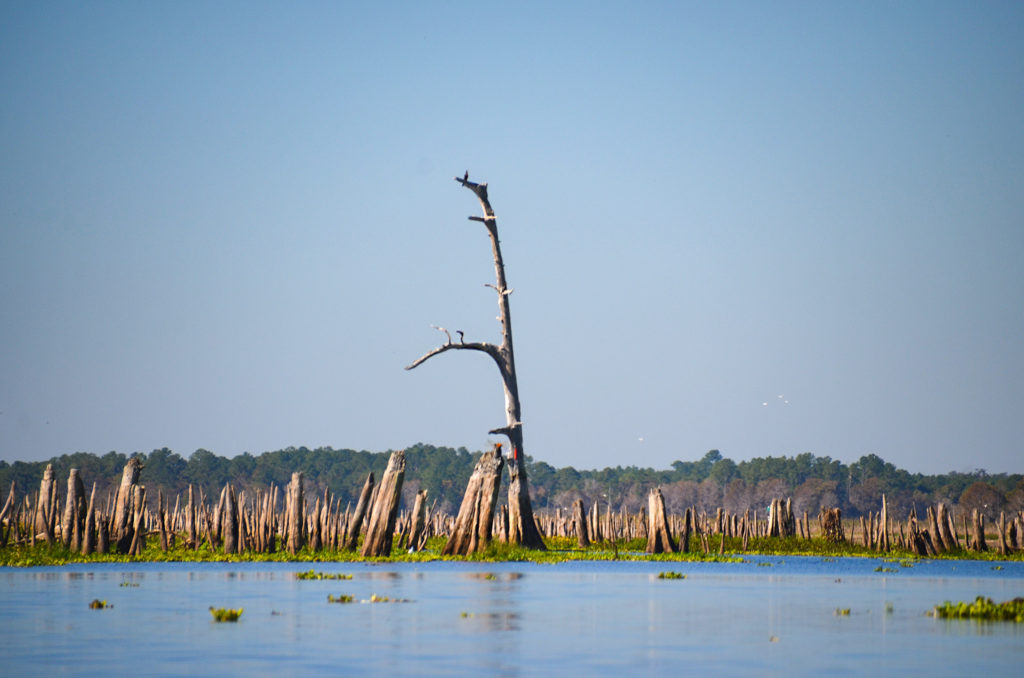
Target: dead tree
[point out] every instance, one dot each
(522, 527)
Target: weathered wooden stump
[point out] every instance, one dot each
(381, 528)
(472, 531)
(294, 513)
(356, 522)
(229, 521)
(522, 526)
(74, 512)
(831, 522)
(579, 523)
(659, 539)
(122, 528)
(418, 531)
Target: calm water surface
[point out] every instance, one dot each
(767, 616)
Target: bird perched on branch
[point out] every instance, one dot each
(465, 177)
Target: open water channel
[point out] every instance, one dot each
(766, 616)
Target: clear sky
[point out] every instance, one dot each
(762, 228)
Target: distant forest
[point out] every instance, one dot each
(708, 483)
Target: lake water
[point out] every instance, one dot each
(766, 616)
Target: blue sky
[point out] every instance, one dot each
(763, 228)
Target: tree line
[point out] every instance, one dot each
(707, 483)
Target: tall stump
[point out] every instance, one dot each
(659, 539)
(294, 511)
(381, 528)
(472, 531)
(356, 523)
(123, 528)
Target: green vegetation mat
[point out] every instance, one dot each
(560, 550)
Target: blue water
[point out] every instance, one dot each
(766, 616)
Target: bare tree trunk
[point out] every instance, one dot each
(472, 531)
(381, 528)
(356, 524)
(579, 521)
(294, 513)
(9, 513)
(418, 532)
(138, 542)
(89, 534)
(122, 528)
(74, 513)
(659, 539)
(230, 520)
(47, 490)
(522, 526)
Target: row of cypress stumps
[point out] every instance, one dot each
(242, 522)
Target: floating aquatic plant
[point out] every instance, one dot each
(671, 575)
(225, 614)
(98, 604)
(842, 612)
(982, 609)
(312, 574)
(340, 599)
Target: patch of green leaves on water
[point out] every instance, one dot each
(225, 614)
(312, 574)
(982, 609)
(671, 575)
(340, 599)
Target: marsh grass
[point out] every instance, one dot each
(559, 550)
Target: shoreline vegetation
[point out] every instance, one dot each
(59, 523)
(560, 550)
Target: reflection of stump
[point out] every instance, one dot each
(472, 530)
(831, 522)
(381, 528)
(356, 522)
(659, 539)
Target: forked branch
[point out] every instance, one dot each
(489, 349)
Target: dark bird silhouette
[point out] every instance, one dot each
(465, 177)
